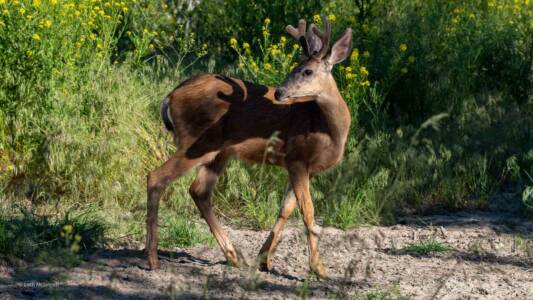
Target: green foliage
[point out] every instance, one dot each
(216, 21)
(426, 247)
(394, 294)
(182, 233)
(58, 240)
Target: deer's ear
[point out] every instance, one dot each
(315, 43)
(341, 49)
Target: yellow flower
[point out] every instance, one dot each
(22, 11)
(283, 40)
(411, 59)
(332, 17)
(99, 45)
(349, 76)
(241, 66)
(403, 47)
(53, 2)
(404, 70)
(47, 23)
(125, 9)
(233, 42)
(36, 3)
(365, 83)
(355, 54)
(67, 228)
(363, 71)
(268, 66)
(36, 37)
(2, 2)
(295, 46)
(29, 53)
(366, 54)
(10, 168)
(5, 12)
(245, 45)
(348, 69)
(267, 21)
(99, 55)
(317, 19)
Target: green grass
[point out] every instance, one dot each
(426, 247)
(179, 232)
(58, 241)
(394, 294)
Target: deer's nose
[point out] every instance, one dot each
(277, 94)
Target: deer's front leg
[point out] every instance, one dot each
(265, 254)
(300, 181)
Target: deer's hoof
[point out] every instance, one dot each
(319, 269)
(236, 259)
(265, 264)
(153, 263)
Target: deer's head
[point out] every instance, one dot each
(313, 72)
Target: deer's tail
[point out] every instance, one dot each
(165, 115)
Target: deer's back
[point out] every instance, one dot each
(214, 112)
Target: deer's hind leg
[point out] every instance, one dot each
(201, 191)
(158, 180)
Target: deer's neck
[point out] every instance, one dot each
(336, 113)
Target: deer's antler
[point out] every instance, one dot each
(299, 35)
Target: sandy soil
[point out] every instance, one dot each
(491, 258)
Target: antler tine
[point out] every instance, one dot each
(299, 34)
(324, 36)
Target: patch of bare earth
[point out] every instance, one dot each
(490, 258)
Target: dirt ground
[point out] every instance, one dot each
(491, 257)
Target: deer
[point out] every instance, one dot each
(214, 118)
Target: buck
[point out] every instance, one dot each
(215, 118)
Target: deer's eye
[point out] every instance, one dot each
(308, 72)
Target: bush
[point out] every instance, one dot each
(60, 240)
